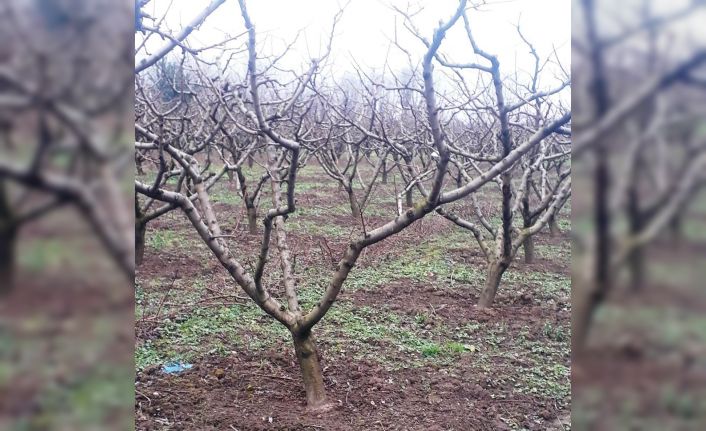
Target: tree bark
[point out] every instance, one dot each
(409, 199)
(495, 273)
(355, 208)
(312, 376)
(140, 230)
(675, 228)
(138, 164)
(636, 259)
(251, 161)
(585, 299)
(528, 244)
(8, 242)
(384, 172)
(554, 230)
(582, 308)
(637, 268)
(528, 248)
(248, 199)
(252, 217)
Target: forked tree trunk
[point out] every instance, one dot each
(496, 269)
(252, 217)
(528, 248)
(312, 376)
(8, 242)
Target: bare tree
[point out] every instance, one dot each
(497, 126)
(164, 99)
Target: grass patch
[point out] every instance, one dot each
(557, 253)
(420, 265)
(317, 228)
(210, 330)
(163, 239)
(664, 328)
(222, 195)
(42, 254)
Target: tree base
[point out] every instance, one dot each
(321, 408)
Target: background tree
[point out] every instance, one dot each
(499, 124)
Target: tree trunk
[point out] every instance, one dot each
(8, 242)
(637, 268)
(528, 244)
(528, 247)
(582, 307)
(252, 218)
(492, 281)
(140, 230)
(251, 160)
(409, 199)
(312, 376)
(603, 220)
(384, 172)
(635, 219)
(554, 230)
(355, 208)
(138, 164)
(675, 228)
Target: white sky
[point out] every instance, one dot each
(367, 27)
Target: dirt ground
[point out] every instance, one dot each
(402, 349)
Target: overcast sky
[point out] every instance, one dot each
(367, 26)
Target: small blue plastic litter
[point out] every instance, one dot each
(175, 367)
